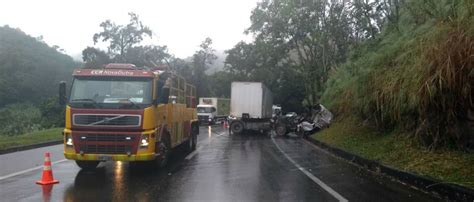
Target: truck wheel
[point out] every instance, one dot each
(280, 129)
(195, 132)
(191, 143)
(165, 150)
(237, 127)
(87, 165)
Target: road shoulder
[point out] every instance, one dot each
(434, 187)
(31, 146)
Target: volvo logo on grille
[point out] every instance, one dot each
(106, 120)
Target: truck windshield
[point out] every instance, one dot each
(113, 92)
(205, 109)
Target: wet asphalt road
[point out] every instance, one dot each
(248, 167)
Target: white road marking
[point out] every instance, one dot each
(222, 134)
(28, 170)
(211, 133)
(311, 176)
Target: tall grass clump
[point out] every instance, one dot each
(418, 78)
(446, 94)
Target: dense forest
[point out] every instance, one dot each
(30, 71)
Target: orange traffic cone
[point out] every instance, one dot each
(225, 124)
(47, 172)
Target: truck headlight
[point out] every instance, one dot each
(144, 141)
(68, 138)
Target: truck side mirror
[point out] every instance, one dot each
(62, 93)
(164, 96)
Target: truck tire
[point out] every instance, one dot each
(165, 150)
(195, 133)
(280, 129)
(237, 127)
(191, 143)
(87, 165)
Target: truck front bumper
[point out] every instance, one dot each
(204, 119)
(110, 157)
(110, 146)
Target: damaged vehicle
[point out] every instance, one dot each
(319, 118)
(287, 123)
(314, 119)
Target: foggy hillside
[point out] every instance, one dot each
(217, 65)
(28, 64)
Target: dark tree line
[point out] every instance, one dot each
(297, 43)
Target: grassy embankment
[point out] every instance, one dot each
(30, 138)
(396, 150)
(414, 83)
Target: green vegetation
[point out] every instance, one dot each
(406, 95)
(19, 118)
(30, 71)
(417, 78)
(30, 138)
(398, 65)
(396, 150)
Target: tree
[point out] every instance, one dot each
(201, 59)
(150, 55)
(183, 68)
(313, 35)
(122, 37)
(241, 60)
(367, 18)
(124, 46)
(264, 62)
(221, 83)
(94, 58)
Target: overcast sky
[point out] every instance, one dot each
(180, 24)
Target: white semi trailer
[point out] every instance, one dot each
(250, 107)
